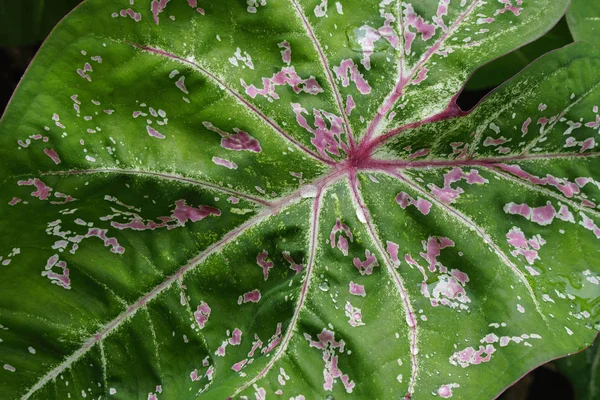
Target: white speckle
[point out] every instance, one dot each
(570, 332)
(31, 350)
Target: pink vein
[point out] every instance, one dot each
(314, 230)
(481, 162)
(410, 314)
(325, 63)
(166, 176)
(235, 94)
(402, 82)
(486, 238)
(495, 169)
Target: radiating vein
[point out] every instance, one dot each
(313, 236)
(411, 320)
(132, 310)
(560, 116)
(398, 90)
(543, 190)
(325, 63)
(165, 176)
(193, 263)
(480, 232)
(236, 95)
(379, 164)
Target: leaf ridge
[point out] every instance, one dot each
(325, 63)
(166, 176)
(411, 320)
(249, 106)
(314, 231)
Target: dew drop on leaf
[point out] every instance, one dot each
(357, 35)
(324, 286)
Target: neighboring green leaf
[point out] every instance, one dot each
(584, 20)
(221, 199)
(504, 68)
(24, 22)
(582, 369)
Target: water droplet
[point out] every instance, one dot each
(361, 34)
(597, 325)
(329, 397)
(324, 286)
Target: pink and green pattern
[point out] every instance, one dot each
(261, 199)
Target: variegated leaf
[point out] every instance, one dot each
(264, 198)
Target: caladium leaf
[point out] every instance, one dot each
(499, 71)
(584, 20)
(28, 21)
(582, 369)
(221, 199)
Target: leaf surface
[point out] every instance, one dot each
(584, 20)
(189, 211)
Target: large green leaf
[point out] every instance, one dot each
(504, 68)
(584, 20)
(188, 210)
(27, 21)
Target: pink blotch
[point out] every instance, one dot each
(287, 76)
(53, 155)
(224, 163)
(350, 105)
(525, 127)
(392, 249)
(251, 297)
(236, 337)
(42, 191)
(237, 367)
(14, 201)
(293, 265)
(357, 290)
(286, 53)
(404, 200)
(157, 7)
(261, 260)
(201, 314)
(184, 213)
(448, 194)
(181, 85)
(366, 267)
(433, 248)
(327, 139)
(154, 133)
(347, 72)
(342, 243)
